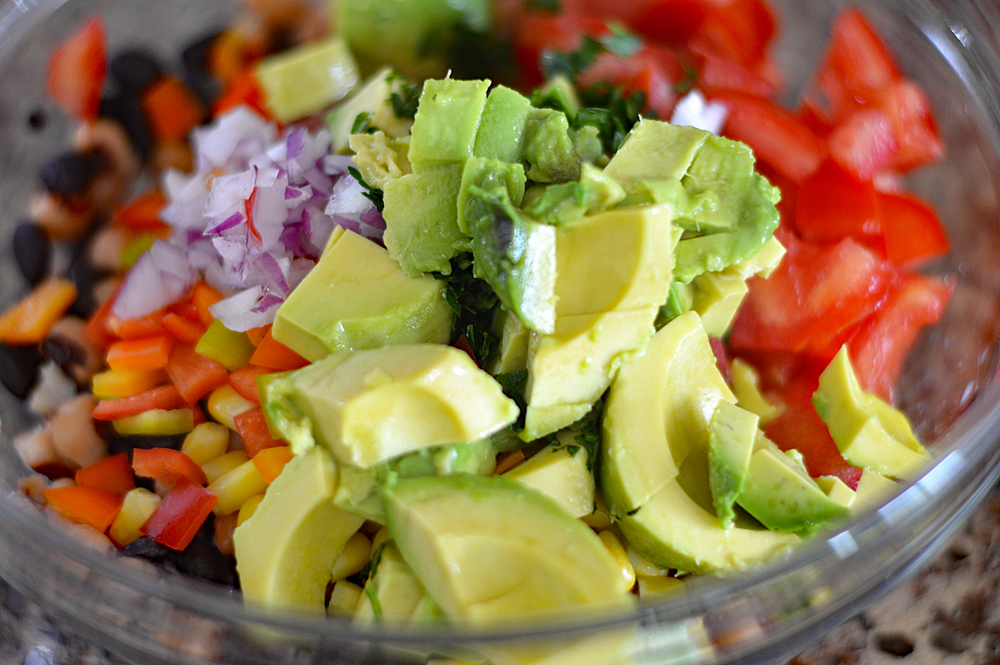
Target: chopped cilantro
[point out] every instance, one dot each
(362, 123)
(571, 64)
(513, 384)
(612, 112)
(621, 42)
(361, 579)
(404, 101)
(373, 194)
(474, 304)
(545, 5)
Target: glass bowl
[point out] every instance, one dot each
(949, 388)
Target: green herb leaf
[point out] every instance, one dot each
(545, 5)
(571, 64)
(612, 112)
(362, 123)
(621, 42)
(405, 100)
(373, 194)
(513, 384)
(474, 304)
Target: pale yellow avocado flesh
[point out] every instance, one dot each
(374, 405)
(560, 471)
(396, 589)
(307, 79)
(367, 301)
(285, 551)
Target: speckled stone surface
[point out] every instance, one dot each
(949, 613)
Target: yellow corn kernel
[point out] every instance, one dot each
(224, 404)
(248, 508)
(206, 442)
(381, 536)
(125, 382)
(236, 486)
(138, 505)
(356, 553)
(614, 547)
(658, 586)
(223, 464)
(344, 598)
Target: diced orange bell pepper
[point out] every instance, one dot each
(171, 109)
(96, 329)
(166, 465)
(183, 329)
(194, 374)
(138, 327)
(271, 461)
(110, 384)
(244, 381)
(143, 213)
(276, 356)
(143, 353)
(113, 474)
(252, 428)
(203, 297)
(30, 319)
(85, 505)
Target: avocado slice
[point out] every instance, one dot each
(446, 123)
(307, 79)
(868, 431)
(731, 436)
(371, 406)
(561, 471)
(373, 101)
(367, 302)
(393, 595)
(501, 130)
(284, 552)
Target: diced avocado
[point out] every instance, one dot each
(374, 405)
(360, 489)
(514, 254)
(746, 386)
(763, 263)
(619, 259)
(731, 436)
(782, 496)
(367, 302)
(413, 36)
(868, 432)
(873, 490)
(484, 179)
(716, 296)
(557, 93)
(550, 151)
(678, 301)
(421, 220)
(447, 121)
(715, 182)
(837, 490)
(492, 552)
(512, 351)
(571, 368)
(655, 151)
(393, 594)
(560, 471)
(307, 79)
(373, 101)
(501, 130)
(657, 411)
(569, 201)
(284, 552)
(380, 159)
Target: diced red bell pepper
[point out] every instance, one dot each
(143, 213)
(194, 374)
(244, 381)
(113, 474)
(252, 428)
(177, 519)
(162, 397)
(85, 505)
(77, 70)
(166, 465)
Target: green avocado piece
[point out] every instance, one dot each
(569, 201)
(380, 158)
(373, 101)
(421, 218)
(447, 121)
(560, 471)
(371, 406)
(868, 432)
(837, 490)
(307, 79)
(550, 149)
(655, 151)
(367, 302)
(746, 386)
(731, 436)
(782, 496)
(501, 130)
(873, 490)
(415, 37)
(657, 411)
(514, 254)
(493, 552)
(393, 595)
(716, 296)
(284, 552)
(512, 351)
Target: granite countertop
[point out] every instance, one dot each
(948, 613)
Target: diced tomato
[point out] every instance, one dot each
(166, 465)
(252, 428)
(864, 143)
(817, 293)
(880, 345)
(717, 74)
(85, 505)
(672, 22)
(162, 398)
(777, 136)
(194, 374)
(77, 71)
(911, 229)
(177, 519)
(913, 124)
(803, 430)
(739, 30)
(113, 474)
(550, 32)
(833, 204)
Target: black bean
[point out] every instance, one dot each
(126, 109)
(895, 644)
(19, 368)
(196, 74)
(33, 251)
(147, 548)
(948, 641)
(72, 172)
(85, 276)
(203, 559)
(134, 69)
(64, 352)
(194, 56)
(118, 443)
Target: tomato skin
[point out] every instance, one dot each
(538, 33)
(177, 519)
(77, 70)
(673, 22)
(738, 30)
(653, 71)
(832, 204)
(912, 230)
(803, 430)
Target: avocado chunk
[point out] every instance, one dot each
(371, 406)
(307, 79)
(569, 201)
(561, 471)
(731, 436)
(550, 149)
(373, 103)
(657, 411)
(746, 387)
(413, 36)
(501, 130)
(837, 490)
(380, 158)
(447, 121)
(873, 490)
(367, 302)
(716, 296)
(868, 432)
(512, 351)
(655, 151)
(393, 595)
(780, 494)
(421, 220)
(284, 552)
(490, 551)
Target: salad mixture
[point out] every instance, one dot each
(473, 314)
